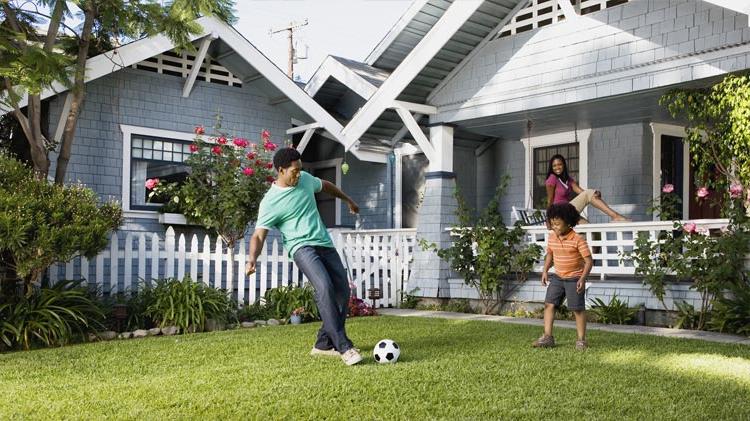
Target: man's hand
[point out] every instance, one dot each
(580, 285)
(353, 207)
(250, 268)
(545, 279)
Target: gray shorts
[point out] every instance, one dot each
(559, 288)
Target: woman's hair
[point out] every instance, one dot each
(564, 211)
(564, 176)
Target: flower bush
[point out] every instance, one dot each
(358, 307)
(227, 179)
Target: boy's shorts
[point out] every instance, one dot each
(559, 288)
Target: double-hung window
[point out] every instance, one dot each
(155, 157)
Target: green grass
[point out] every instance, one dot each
(448, 369)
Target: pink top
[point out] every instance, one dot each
(562, 190)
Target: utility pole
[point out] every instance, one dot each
(292, 53)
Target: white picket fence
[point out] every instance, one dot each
(373, 258)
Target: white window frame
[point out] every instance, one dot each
(336, 162)
(659, 129)
(406, 150)
(556, 139)
(127, 134)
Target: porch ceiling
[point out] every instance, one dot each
(642, 106)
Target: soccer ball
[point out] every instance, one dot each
(386, 351)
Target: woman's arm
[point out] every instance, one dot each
(550, 193)
(576, 188)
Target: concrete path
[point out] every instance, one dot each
(643, 330)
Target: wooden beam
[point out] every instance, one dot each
(305, 139)
(416, 108)
(63, 117)
(416, 132)
(568, 10)
(278, 100)
(305, 127)
(404, 130)
(252, 78)
(451, 21)
(205, 43)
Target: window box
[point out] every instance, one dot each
(173, 219)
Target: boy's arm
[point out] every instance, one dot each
(547, 265)
(333, 190)
(588, 263)
(256, 245)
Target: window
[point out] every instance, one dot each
(541, 165)
(155, 157)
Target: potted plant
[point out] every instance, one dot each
(297, 315)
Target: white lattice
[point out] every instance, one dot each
(539, 13)
(175, 64)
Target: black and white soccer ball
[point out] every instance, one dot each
(386, 351)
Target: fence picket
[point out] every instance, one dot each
(128, 275)
(100, 271)
(261, 270)
(114, 263)
(154, 258)
(169, 252)
(206, 259)
(274, 264)
(241, 261)
(218, 262)
(85, 269)
(181, 257)
(69, 269)
(194, 258)
(141, 256)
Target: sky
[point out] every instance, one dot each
(346, 28)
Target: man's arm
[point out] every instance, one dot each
(331, 189)
(256, 246)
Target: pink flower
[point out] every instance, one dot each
(151, 183)
(668, 188)
(251, 155)
(248, 171)
(199, 130)
(240, 142)
(735, 191)
(216, 150)
(702, 192)
(265, 135)
(690, 227)
(269, 146)
(269, 165)
(259, 162)
(194, 148)
(222, 140)
(701, 230)
(270, 179)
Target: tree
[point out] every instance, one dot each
(32, 62)
(718, 129)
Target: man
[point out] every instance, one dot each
(289, 206)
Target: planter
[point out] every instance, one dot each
(295, 319)
(172, 219)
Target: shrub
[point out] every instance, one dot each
(616, 311)
(254, 311)
(281, 301)
(49, 316)
(358, 307)
(731, 311)
(43, 223)
(410, 300)
(186, 304)
(687, 317)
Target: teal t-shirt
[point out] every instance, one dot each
(293, 211)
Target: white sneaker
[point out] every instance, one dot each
(351, 357)
(325, 352)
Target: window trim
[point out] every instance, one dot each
(329, 163)
(658, 130)
(127, 134)
(555, 139)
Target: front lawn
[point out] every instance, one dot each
(448, 369)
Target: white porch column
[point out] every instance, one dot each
(436, 215)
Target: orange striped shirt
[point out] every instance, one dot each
(568, 253)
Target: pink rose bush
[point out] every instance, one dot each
(151, 183)
(702, 192)
(735, 191)
(690, 227)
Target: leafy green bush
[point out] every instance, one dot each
(281, 301)
(459, 305)
(49, 316)
(254, 311)
(616, 311)
(410, 300)
(186, 304)
(731, 312)
(43, 223)
(687, 317)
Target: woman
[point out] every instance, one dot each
(559, 186)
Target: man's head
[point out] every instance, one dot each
(562, 217)
(288, 164)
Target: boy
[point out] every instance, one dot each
(572, 260)
(289, 206)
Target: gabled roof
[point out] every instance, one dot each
(237, 54)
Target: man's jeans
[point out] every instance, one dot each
(322, 266)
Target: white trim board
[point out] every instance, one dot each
(554, 139)
(657, 130)
(332, 68)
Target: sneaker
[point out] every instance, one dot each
(581, 345)
(544, 342)
(351, 357)
(325, 352)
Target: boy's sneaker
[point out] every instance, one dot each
(351, 357)
(544, 342)
(581, 345)
(325, 352)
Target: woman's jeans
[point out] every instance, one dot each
(322, 266)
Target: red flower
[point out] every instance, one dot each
(259, 162)
(251, 155)
(265, 135)
(270, 179)
(269, 165)
(216, 150)
(269, 146)
(222, 140)
(240, 142)
(248, 171)
(194, 148)
(199, 130)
